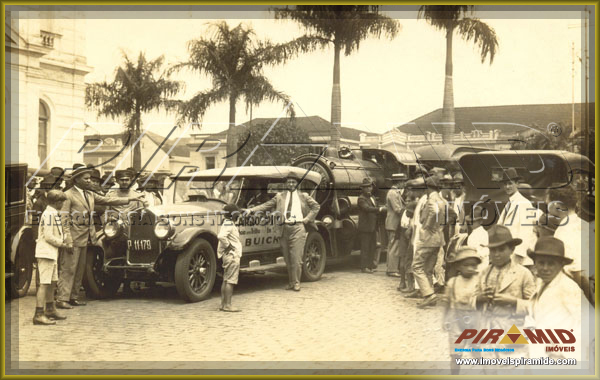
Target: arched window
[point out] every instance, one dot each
(43, 122)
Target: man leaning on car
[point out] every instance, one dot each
(295, 207)
(80, 232)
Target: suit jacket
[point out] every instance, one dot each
(433, 219)
(394, 205)
(561, 303)
(367, 214)
(516, 281)
(310, 208)
(77, 215)
(50, 235)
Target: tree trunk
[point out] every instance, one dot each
(231, 135)
(448, 110)
(137, 149)
(336, 99)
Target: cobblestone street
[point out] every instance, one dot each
(347, 316)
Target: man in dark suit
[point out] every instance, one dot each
(368, 213)
(77, 212)
(298, 211)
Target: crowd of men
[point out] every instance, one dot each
(524, 267)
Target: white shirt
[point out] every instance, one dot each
(82, 192)
(296, 211)
(479, 236)
(519, 216)
(576, 237)
(229, 236)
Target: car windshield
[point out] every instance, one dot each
(199, 190)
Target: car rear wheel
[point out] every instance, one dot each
(97, 283)
(195, 271)
(315, 253)
(23, 267)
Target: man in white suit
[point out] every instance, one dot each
(519, 215)
(298, 211)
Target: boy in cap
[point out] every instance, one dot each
(229, 251)
(50, 239)
(460, 312)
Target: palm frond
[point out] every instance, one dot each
(473, 29)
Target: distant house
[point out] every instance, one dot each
(157, 153)
(209, 149)
(493, 127)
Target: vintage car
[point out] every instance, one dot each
(177, 242)
(18, 236)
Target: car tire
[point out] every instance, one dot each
(96, 282)
(315, 257)
(195, 271)
(23, 267)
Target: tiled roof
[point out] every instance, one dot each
(508, 119)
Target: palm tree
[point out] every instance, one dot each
(137, 87)
(449, 18)
(235, 61)
(344, 26)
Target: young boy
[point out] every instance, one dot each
(460, 311)
(230, 251)
(50, 239)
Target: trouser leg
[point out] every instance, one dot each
(297, 240)
(366, 249)
(66, 275)
(285, 249)
(79, 272)
(393, 254)
(422, 268)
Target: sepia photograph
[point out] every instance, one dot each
(244, 189)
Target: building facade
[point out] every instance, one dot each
(45, 89)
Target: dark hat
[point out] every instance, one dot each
(366, 182)
(77, 166)
(90, 165)
(464, 253)
(96, 174)
(509, 174)
(123, 174)
(79, 171)
(499, 236)
(399, 177)
(293, 175)
(230, 208)
(131, 171)
(48, 181)
(57, 171)
(549, 246)
(430, 182)
(417, 183)
(105, 176)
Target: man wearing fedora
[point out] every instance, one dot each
(79, 231)
(368, 213)
(298, 211)
(430, 242)
(518, 215)
(557, 301)
(394, 205)
(504, 286)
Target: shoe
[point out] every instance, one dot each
(414, 294)
(392, 274)
(373, 270)
(428, 301)
(366, 270)
(63, 305)
(54, 314)
(289, 287)
(230, 309)
(407, 290)
(77, 303)
(297, 287)
(41, 319)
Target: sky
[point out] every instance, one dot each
(385, 83)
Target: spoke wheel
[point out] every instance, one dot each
(195, 271)
(315, 252)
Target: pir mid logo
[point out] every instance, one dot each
(514, 336)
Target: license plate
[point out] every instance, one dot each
(139, 245)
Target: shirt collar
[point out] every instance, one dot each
(514, 197)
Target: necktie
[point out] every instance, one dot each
(289, 208)
(86, 198)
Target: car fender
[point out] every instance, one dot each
(183, 238)
(325, 231)
(17, 238)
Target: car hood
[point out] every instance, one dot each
(210, 207)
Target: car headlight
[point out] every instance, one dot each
(327, 220)
(164, 229)
(112, 228)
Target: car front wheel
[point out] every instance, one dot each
(195, 271)
(97, 283)
(315, 252)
